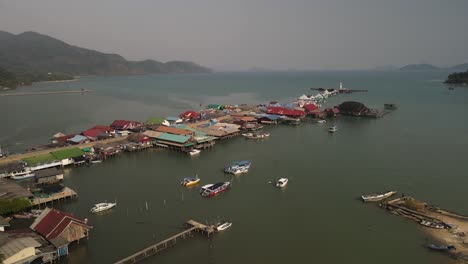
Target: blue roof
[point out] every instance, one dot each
(273, 117)
(244, 162)
(78, 138)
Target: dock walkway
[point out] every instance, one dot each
(156, 248)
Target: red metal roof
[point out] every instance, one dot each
(64, 138)
(93, 132)
(310, 107)
(55, 222)
(189, 114)
(124, 123)
(103, 128)
(276, 110)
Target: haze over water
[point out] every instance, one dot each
(419, 150)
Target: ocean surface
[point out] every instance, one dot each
(419, 150)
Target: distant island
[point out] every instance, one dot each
(419, 67)
(422, 67)
(457, 78)
(31, 57)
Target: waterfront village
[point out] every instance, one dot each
(31, 182)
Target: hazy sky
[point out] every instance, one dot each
(239, 34)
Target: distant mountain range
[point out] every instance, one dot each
(31, 52)
(430, 67)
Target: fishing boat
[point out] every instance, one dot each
(215, 189)
(23, 176)
(281, 182)
(238, 167)
(102, 207)
(377, 197)
(187, 182)
(223, 226)
(432, 224)
(194, 152)
(332, 129)
(441, 247)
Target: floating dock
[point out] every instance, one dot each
(193, 225)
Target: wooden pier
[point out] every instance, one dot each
(194, 226)
(65, 194)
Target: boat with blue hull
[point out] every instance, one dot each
(238, 167)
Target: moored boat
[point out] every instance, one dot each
(205, 187)
(102, 207)
(223, 226)
(321, 121)
(441, 247)
(432, 224)
(238, 167)
(187, 182)
(332, 129)
(215, 189)
(256, 135)
(281, 182)
(377, 197)
(23, 176)
(194, 152)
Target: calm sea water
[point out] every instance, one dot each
(420, 150)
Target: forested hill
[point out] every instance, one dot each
(31, 52)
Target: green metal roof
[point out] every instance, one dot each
(67, 153)
(215, 106)
(40, 159)
(154, 121)
(174, 138)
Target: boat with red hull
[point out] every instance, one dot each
(214, 189)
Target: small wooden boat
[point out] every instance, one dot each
(281, 182)
(102, 207)
(432, 224)
(377, 197)
(194, 152)
(441, 247)
(187, 182)
(223, 226)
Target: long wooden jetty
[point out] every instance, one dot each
(166, 243)
(45, 93)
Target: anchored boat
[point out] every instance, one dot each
(187, 182)
(238, 167)
(213, 189)
(441, 247)
(332, 129)
(377, 197)
(102, 207)
(281, 182)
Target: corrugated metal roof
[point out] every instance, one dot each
(67, 153)
(173, 138)
(152, 134)
(173, 130)
(78, 138)
(15, 245)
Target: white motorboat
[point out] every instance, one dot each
(194, 152)
(238, 167)
(102, 207)
(223, 226)
(332, 129)
(377, 197)
(281, 182)
(321, 121)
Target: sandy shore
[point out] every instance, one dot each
(456, 236)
